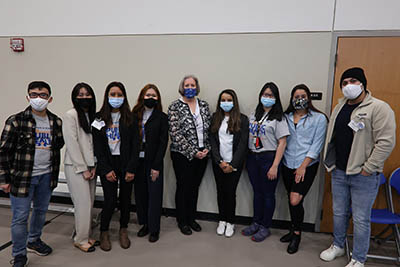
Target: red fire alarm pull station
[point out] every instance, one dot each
(17, 44)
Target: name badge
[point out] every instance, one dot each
(141, 154)
(356, 126)
(98, 124)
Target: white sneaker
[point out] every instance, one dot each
(221, 228)
(331, 253)
(354, 263)
(230, 230)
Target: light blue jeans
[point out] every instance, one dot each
(357, 192)
(39, 194)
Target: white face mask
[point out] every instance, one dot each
(38, 104)
(352, 91)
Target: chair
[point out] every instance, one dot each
(386, 216)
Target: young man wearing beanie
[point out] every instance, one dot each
(360, 137)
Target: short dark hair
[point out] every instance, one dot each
(39, 85)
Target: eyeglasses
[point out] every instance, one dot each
(41, 95)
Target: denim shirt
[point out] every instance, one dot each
(305, 140)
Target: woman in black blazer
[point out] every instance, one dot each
(229, 139)
(153, 125)
(116, 147)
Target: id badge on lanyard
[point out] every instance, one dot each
(256, 139)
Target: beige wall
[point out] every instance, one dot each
(243, 62)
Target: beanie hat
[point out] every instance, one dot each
(357, 73)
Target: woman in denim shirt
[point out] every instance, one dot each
(307, 127)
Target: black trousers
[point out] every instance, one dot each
(189, 174)
(226, 192)
(110, 192)
(148, 197)
(297, 212)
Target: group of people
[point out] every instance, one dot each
(126, 147)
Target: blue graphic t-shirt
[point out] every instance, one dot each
(114, 139)
(42, 161)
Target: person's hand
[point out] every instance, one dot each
(93, 172)
(223, 165)
(364, 173)
(129, 176)
(228, 169)
(199, 155)
(111, 176)
(205, 152)
(154, 174)
(5, 187)
(272, 173)
(299, 174)
(87, 175)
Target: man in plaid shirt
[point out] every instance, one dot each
(29, 166)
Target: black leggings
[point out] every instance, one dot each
(297, 212)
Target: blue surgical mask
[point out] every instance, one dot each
(226, 105)
(116, 102)
(267, 101)
(189, 92)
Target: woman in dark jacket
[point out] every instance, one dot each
(153, 125)
(229, 138)
(116, 147)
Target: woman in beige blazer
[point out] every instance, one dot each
(80, 162)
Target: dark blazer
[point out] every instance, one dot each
(240, 144)
(129, 148)
(156, 131)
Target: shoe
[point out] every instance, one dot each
(153, 237)
(90, 248)
(293, 246)
(124, 239)
(354, 263)
(251, 229)
(221, 228)
(105, 243)
(19, 261)
(94, 242)
(185, 229)
(230, 230)
(195, 226)
(143, 231)
(331, 253)
(288, 237)
(39, 247)
(261, 234)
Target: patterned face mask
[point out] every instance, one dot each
(300, 103)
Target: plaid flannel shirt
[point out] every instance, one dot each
(17, 151)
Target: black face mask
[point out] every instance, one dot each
(84, 102)
(150, 102)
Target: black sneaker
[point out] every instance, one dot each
(20, 261)
(39, 247)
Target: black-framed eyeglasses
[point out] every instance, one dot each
(41, 95)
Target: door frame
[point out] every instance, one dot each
(330, 87)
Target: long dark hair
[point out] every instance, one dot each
(304, 87)
(276, 112)
(105, 111)
(83, 122)
(138, 109)
(234, 114)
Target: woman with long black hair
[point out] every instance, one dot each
(116, 146)
(229, 138)
(267, 142)
(80, 164)
(153, 125)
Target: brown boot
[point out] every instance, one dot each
(124, 239)
(105, 243)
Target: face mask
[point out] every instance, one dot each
(300, 103)
(226, 106)
(190, 92)
(116, 102)
(352, 91)
(38, 104)
(84, 102)
(267, 101)
(150, 102)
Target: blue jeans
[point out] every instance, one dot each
(258, 166)
(357, 192)
(39, 194)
